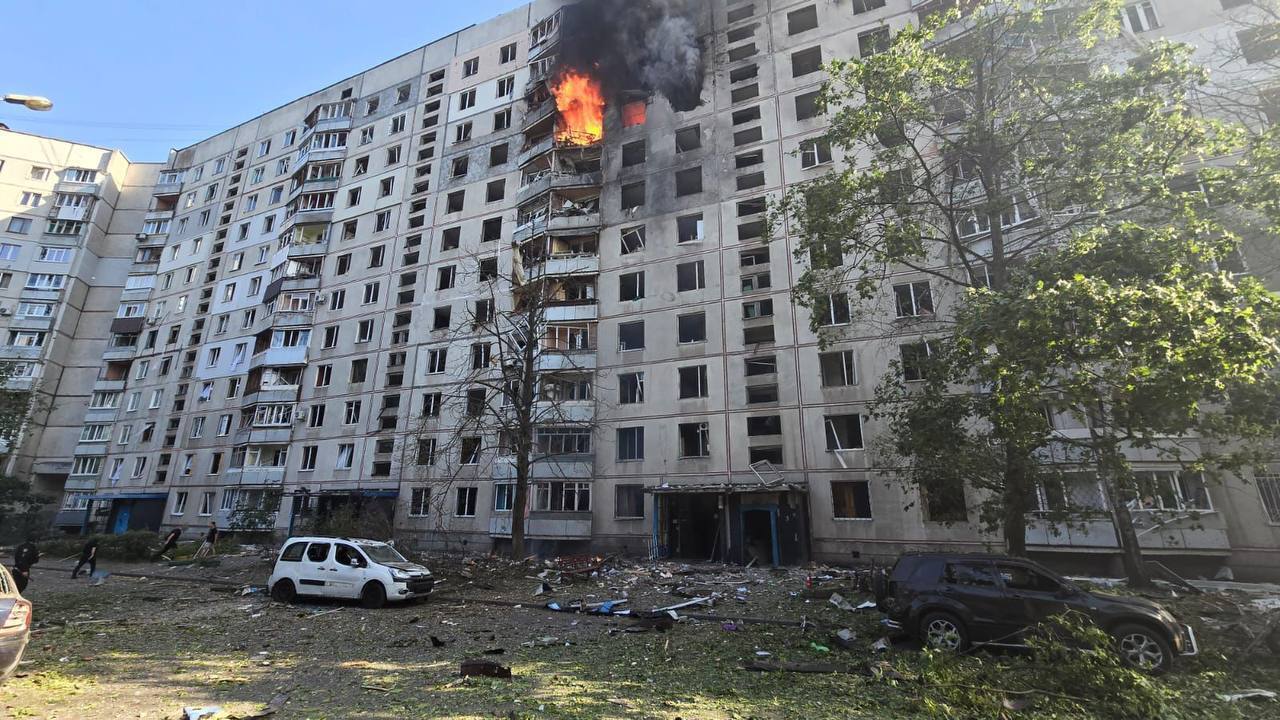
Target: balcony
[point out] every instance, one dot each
(124, 352)
(566, 467)
(158, 215)
(308, 249)
(71, 212)
(292, 318)
(270, 435)
(295, 355)
(573, 224)
(551, 360)
(77, 188)
(258, 475)
(278, 394)
(39, 294)
(13, 352)
(561, 265)
(542, 524)
(1206, 531)
(29, 322)
(100, 414)
(91, 448)
(109, 385)
(540, 113)
(574, 311)
(539, 148)
(581, 411)
(304, 217)
(549, 181)
(169, 183)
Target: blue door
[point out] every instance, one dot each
(122, 519)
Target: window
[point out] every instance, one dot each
(498, 155)
(351, 412)
(915, 358)
(1269, 488)
(838, 369)
(862, 6)
(1170, 490)
(19, 225)
(691, 327)
(419, 502)
(345, 457)
(798, 21)
(944, 503)
(806, 61)
(309, 454)
(371, 291)
(757, 309)
(873, 41)
(495, 191)
(632, 196)
(633, 153)
(689, 181)
(844, 432)
(693, 382)
(469, 453)
(29, 199)
(687, 139)
(631, 335)
(833, 310)
(502, 120)
(851, 500)
(631, 286)
(632, 239)
(689, 228)
(9, 251)
(630, 443)
(1259, 44)
(630, 388)
(466, 502)
(694, 440)
(815, 152)
(324, 375)
(1141, 17)
(807, 105)
(441, 317)
(39, 173)
(470, 67)
(913, 299)
(462, 132)
(385, 187)
(446, 277)
(179, 500)
(690, 276)
(507, 53)
(397, 126)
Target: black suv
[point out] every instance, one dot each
(950, 601)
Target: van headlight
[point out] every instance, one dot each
(399, 575)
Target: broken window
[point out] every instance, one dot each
(757, 309)
(851, 500)
(806, 61)
(873, 41)
(691, 327)
(454, 201)
(449, 238)
(633, 113)
(470, 450)
(815, 152)
(693, 382)
(833, 310)
(689, 228)
(491, 230)
(631, 286)
(944, 502)
(630, 445)
(632, 239)
(495, 191)
(913, 299)
(695, 440)
(838, 369)
(689, 138)
(762, 365)
(915, 360)
(689, 181)
(629, 499)
(742, 74)
(757, 335)
(798, 21)
(844, 432)
(771, 454)
(764, 425)
(466, 504)
(498, 155)
(807, 105)
(630, 388)
(746, 92)
(690, 276)
(632, 196)
(633, 153)
(631, 335)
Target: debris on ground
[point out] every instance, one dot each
(796, 667)
(483, 668)
(275, 705)
(1250, 694)
(844, 638)
(881, 645)
(200, 713)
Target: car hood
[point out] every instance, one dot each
(1132, 603)
(411, 568)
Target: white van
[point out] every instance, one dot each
(367, 570)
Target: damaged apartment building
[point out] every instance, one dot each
(299, 300)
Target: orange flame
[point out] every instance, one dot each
(581, 106)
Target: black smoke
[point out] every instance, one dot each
(649, 46)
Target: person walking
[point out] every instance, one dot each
(170, 542)
(24, 556)
(88, 556)
(207, 547)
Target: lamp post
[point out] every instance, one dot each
(31, 102)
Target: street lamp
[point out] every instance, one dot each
(31, 102)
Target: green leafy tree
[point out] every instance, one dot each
(978, 142)
(19, 503)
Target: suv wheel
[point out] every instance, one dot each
(373, 596)
(1143, 648)
(284, 591)
(944, 631)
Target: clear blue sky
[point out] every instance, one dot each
(146, 76)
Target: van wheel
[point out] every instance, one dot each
(373, 596)
(284, 591)
(1144, 649)
(944, 631)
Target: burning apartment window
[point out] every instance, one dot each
(693, 382)
(851, 500)
(695, 440)
(807, 105)
(633, 239)
(631, 286)
(631, 335)
(632, 196)
(872, 42)
(629, 499)
(633, 153)
(689, 138)
(634, 113)
(691, 328)
(630, 388)
(802, 20)
(690, 276)
(498, 155)
(804, 62)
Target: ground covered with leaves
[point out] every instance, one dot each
(147, 648)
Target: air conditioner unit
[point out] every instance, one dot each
(321, 300)
(4, 310)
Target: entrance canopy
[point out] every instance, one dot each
(727, 488)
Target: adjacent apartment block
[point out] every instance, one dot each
(289, 319)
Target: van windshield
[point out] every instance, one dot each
(381, 553)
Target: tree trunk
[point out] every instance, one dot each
(518, 507)
(1130, 551)
(1015, 504)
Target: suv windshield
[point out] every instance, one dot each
(381, 553)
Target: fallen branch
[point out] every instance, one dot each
(1032, 691)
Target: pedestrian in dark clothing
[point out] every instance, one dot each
(88, 556)
(207, 547)
(24, 556)
(170, 542)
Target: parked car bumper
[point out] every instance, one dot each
(414, 588)
(11, 649)
(1186, 643)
